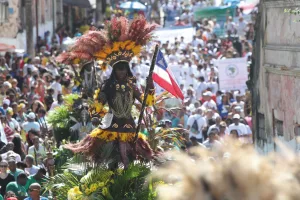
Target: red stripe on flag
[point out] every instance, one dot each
(167, 86)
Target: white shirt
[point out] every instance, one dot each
(54, 105)
(11, 154)
(3, 136)
(28, 66)
(57, 89)
(202, 86)
(201, 124)
(40, 154)
(33, 170)
(210, 105)
(13, 124)
(27, 126)
(241, 28)
(217, 127)
(212, 145)
(213, 86)
(241, 129)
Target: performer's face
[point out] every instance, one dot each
(121, 72)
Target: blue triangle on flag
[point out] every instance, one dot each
(160, 60)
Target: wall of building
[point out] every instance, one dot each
(278, 84)
(10, 28)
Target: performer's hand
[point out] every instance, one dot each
(150, 82)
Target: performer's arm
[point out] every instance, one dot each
(140, 96)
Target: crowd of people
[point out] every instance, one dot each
(30, 87)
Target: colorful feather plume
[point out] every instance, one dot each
(120, 40)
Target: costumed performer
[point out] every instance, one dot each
(116, 45)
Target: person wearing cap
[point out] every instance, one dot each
(5, 106)
(21, 116)
(12, 165)
(31, 124)
(239, 127)
(209, 103)
(34, 192)
(18, 187)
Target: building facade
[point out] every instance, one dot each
(275, 76)
(49, 13)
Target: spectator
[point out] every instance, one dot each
(34, 192)
(31, 124)
(18, 187)
(39, 177)
(38, 151)
(239, 127)
(13, 170)
(10, 153)
(31, 169)
(5, 177)
(56, 86)
(196, 124)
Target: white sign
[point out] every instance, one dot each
(169, 34)
(233, 73)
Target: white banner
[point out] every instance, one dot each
(170, 34)
(233, 73)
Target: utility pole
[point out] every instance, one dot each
(29, 28)
(99, 15)
(37, 19)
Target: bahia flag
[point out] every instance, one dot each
(163, 76)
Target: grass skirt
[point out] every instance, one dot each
(95, 143)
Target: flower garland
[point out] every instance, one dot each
(109, 136)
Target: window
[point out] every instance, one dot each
(261, 126)
(279, 127)
(3, 11)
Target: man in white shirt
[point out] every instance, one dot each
(217, 126)
(212, 142)
(38, 151)
(241, 27)
(31, 169)
(31, 124)
(202, 86)
(195, 124)
(239, 127)
(56, 86)
(209, 103)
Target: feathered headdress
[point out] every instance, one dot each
(120, 40)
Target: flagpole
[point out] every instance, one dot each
(146, 93)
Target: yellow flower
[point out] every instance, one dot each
(124, 44)
(76, 61)
(93, 187)
(101, 184)
(105, 191)
(112, 181)
(101, 55)
(107, 50)
(136, 50)
(130, 46)
(116, 46)
(96, 94)
(88, 191)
